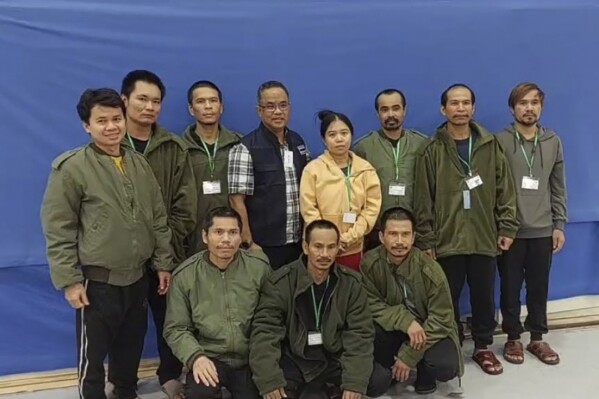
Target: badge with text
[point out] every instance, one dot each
(530, 183)
(288, 161)
(314, 338)
(349, 217)
(211, 187)
(466, 194)
(397, 189)
(474, 181)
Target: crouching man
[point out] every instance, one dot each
(210, 308)
(312, 334)
(411, 305)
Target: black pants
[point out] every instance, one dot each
(237, 381)
(327, 385)
(114, 325)
(528, 260)
(170, 367)
(280, 256)
(441, 362)
(479, 271)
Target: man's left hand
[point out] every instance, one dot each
(164, 279)
(504, 243)
(351, 395)
(559, 239)
(400, 371)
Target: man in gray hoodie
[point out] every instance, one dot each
(537, 162)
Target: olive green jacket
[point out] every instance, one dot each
(171, 164)
(93, 215)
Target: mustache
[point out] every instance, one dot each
(324, 259)
(391, 119)
(399, 247)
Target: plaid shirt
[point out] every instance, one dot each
(241, 181)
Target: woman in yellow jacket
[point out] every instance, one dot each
(341, 187)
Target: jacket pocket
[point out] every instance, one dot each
(90, 232)
(266, 174)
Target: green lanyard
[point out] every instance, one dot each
(396, 159)
(211, 158)
(318, 309)
(530, 161)
(348, 183)
(469, 155)
(147, 144)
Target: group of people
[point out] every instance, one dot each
(273, 274)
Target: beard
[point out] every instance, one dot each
(392, 124)
(529, 120)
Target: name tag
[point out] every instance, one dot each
(397, 189)
(466, 194)
(349, 217)
(211, 187)
(530, 183)
(314, 338)
(474, 181)
(288, 159)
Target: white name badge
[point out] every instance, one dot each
(530, 183)
(466, 195)
(397, 189)
(314, 338)
(349, 217)
(211, 187)
(288, 159)
(474, 181)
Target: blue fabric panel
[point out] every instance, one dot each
(331, 54)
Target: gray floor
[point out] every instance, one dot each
(577, 376)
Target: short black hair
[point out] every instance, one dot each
(397, 213)
(320, 224)
(453, 86)
(142, 75)
(221, 212)
(104, 97)
(203, 83)
(386, 92)
(271, 84)
(327, 117)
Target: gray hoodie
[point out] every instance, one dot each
(539, 211)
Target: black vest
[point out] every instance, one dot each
(267, 208)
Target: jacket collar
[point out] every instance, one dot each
(271, 136)
(304, 280)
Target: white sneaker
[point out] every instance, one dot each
(451, 388)
(172, 389)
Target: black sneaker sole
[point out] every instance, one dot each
(425, 390)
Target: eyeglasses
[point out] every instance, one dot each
(271, 108)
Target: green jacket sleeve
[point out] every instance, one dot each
(60, 223)
(424, 199)
(268, 331)
(183, 214)
(178, 324)
(505, 208)
(389, 317)
(557, 182)
(162, 258)
(358, 342)
(440, 319)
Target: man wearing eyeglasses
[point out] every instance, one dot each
(264, 175)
